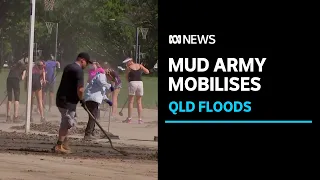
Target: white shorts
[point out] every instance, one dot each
(135, 88)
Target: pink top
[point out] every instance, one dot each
(93, 72)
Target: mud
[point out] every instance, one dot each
(53, 127)
(15, 142)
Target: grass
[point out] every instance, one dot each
(149, 99)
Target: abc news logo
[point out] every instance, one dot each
(192, 39)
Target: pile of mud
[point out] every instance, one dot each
(15, 142)
(53, 127)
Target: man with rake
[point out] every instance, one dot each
(70, 92)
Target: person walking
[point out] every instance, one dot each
(17, 73)
(93, 97)
(70, 92)
(50, 67)
(133, 74)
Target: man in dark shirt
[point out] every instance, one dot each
(70, 92)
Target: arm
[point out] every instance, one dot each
(103, 81)
(23, 74)
(44, 75)
(80, 84)
(58, 64)
(145, 70)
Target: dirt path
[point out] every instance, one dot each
(31, 167)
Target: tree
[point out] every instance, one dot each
(84, 25)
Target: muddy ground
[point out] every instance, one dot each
(14, 142)
(30, 156)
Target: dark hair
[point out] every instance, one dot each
(85, 56)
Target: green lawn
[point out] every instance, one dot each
(149, 99)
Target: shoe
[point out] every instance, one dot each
(89, 137)
(94, 133)
(128, 120)
(8, 120)
(65, 145)
(140, 121)
(43, 120)
(60, 149)
(17, 120)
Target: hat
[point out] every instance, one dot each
(85, 56)
(127, 60)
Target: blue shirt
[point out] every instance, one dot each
(96, 89)
(50, 69)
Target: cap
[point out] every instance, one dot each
(127, 60)
(85, 56)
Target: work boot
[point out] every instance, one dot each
(65, 145)
(89, 137)
(60, 149)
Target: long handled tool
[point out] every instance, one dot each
(104, 132)
(4, 99)
(120, 113)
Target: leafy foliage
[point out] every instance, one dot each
(104, 28)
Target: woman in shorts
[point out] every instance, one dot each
(114, 78)
(17, 73)
(38, 80)
(133, 74)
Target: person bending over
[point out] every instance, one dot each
(114, 77)
(93, 96)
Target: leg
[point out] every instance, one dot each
(132, 91)
(44, 95)
(51, 98)
(16, 92)
(40, 105)
(139, 95)
(139, 106)
(115, 101)
(8, 109)
(32, 101)
(9, 94)
(68, 120)
(93, 108)
(130, 106)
